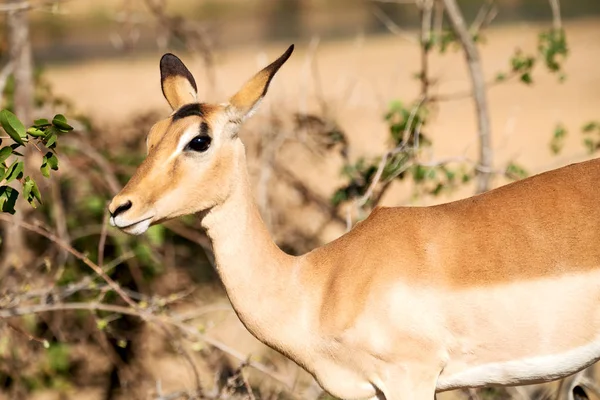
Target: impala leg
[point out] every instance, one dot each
(409, 385)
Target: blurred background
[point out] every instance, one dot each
(375, 107)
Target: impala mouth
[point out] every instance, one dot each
(135, 228)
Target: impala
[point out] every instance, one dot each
(502, 288)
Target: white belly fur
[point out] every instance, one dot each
(525, 371)
(524, 333)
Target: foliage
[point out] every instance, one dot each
(558, 139)
(43, 134)
(590, 132)
(552, 50)
(405, 124)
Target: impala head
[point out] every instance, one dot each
(194, 155)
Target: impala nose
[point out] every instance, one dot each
(121, 209)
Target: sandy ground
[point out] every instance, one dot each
(358, 80)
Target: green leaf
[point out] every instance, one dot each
(339, 197)
(49, 161)
(35, 132)
(590, 126)
(31, 192)
(2, 172)
(52, 160)
(557, 142)
(51, 140)
(40, 123)
(590, 145)
(35, 191)
(45, 169)
(526, 78)
(14, 171)
(13, 127)
(515, 171)
(101, 324)
(8, 199)
(27, 185)
(60, 122)
(5, 152)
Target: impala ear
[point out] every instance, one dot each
(178, 84)
(247, 99)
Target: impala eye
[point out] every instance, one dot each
(199, 143)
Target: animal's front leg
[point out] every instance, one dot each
(408, 383)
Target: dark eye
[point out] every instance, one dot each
(199, 143)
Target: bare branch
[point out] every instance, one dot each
(50, 236)
(426, 26)
(147, 316)
(392, 26)
(478, 87)
(556, 18)
(486, 14)
(134, 309)
(27, 5)
(102, 241)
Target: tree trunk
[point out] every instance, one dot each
(15, 251)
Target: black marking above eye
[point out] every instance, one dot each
(199, 143)
(192, 109)
(203, 129)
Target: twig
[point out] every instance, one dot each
(308, 195)
(83, 147)
(316, 76)
(60, 220)
(426, 24)
(102, 241)
(28, 335)
(95, 306)
(16, 6)
(50, 236)
(486, 14)
(472, 394)
(392, 26)
(469, 93)
(377, 177)
(398, 149)
(556, 18)
(135, 310)
(193, 236)
(31, 5)
(478, 87)
(245, 381)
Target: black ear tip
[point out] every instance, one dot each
(290, 50)
(171, 65)
(169, 59)
(285, 55)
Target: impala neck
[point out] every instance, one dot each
(256, 274)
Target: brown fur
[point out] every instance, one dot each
(540, 227)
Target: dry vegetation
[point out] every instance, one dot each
(343, 85)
